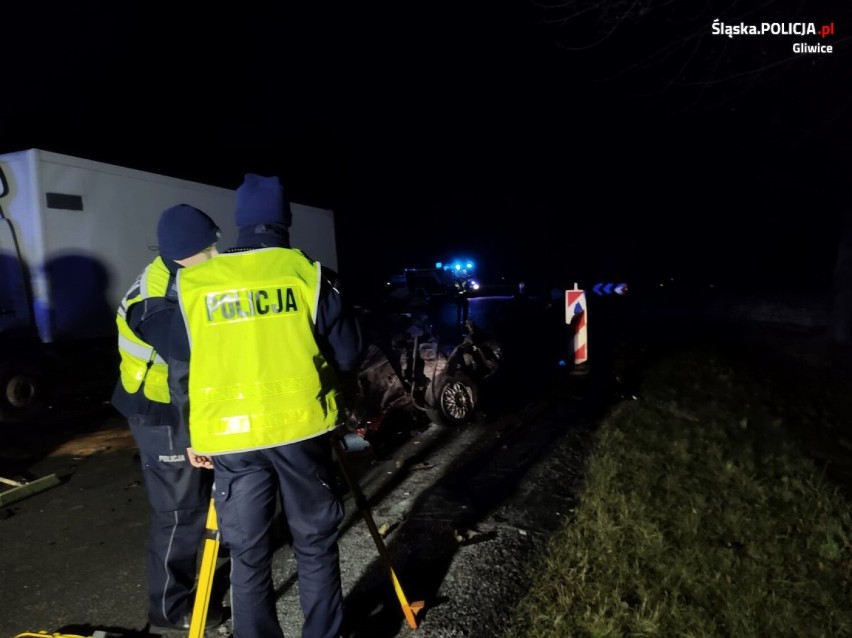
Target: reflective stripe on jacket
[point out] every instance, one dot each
(140, 364)
(257, 378)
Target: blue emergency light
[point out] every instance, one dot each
(458, 267)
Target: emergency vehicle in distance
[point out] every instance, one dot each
(74, 234)
(438, 283)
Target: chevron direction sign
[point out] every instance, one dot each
(609, 288)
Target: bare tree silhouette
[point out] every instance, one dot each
(667, 52)
(665, 58)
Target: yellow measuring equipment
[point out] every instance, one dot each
(212, 540)
(204, 587)
(410, 610)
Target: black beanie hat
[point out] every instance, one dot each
(261, 200)
(184, 231)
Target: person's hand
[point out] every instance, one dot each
(198, 460)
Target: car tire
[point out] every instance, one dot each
(452, 400)
(23, 392)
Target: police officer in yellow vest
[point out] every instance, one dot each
(270, 338)
(178, 493)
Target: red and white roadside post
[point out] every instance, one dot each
(577, 316)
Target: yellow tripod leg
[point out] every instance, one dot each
(205, 575)
(409, 610)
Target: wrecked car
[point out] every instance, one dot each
(410, 368)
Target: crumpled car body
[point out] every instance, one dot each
(414, 371)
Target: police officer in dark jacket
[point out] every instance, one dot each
(178, 493)
(259, 398)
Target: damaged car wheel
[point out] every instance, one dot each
(452, 401)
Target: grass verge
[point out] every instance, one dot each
(702, 514)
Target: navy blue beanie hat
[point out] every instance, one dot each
(261, 200)
(184, 231)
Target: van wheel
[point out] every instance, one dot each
(453, 401)
(23, 395)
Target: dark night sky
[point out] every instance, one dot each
(623, 140)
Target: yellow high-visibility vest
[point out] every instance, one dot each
(140, 364)
(257, 378)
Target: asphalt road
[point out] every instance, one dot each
(462, 510)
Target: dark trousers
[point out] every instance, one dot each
(179, 497)
(247, 489)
